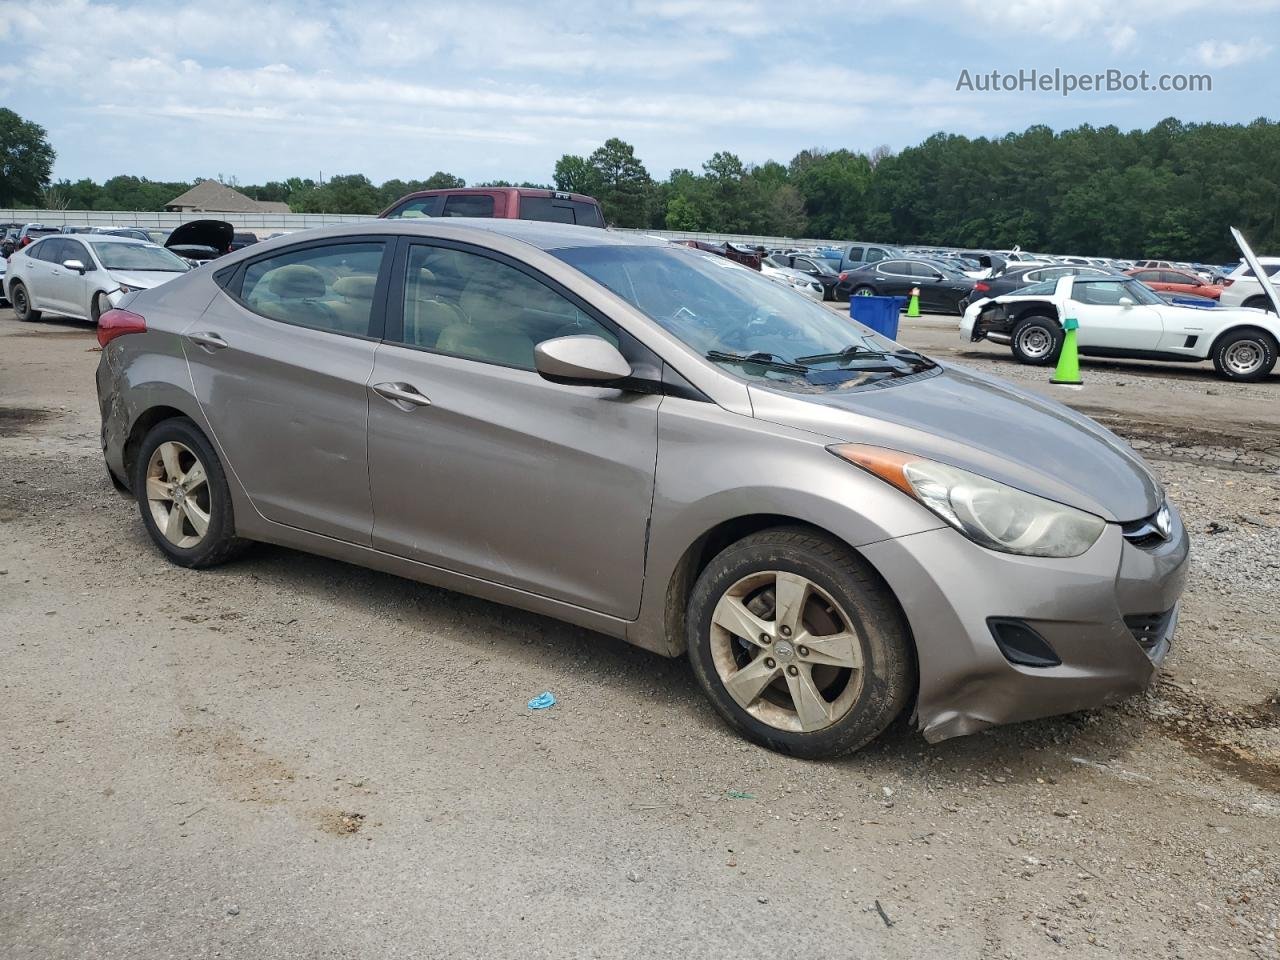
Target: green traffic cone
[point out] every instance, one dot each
(1068, 372)
(913, 305)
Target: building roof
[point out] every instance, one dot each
(214, 197)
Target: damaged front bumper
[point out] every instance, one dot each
(1107, 619)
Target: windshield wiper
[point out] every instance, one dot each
(915, 357)
(848, 353)
(772, 361)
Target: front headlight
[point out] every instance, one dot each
(125, 288)
(990, 514)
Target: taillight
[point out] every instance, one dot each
(116, 323)
(1228, 282)
(981, 287)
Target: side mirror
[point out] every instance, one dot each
(580, 361)
(75, 265)
(1125, 302)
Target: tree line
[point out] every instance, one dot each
(1168, 192)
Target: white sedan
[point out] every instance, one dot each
(1120, 317)
(795, 279)
(84, 276)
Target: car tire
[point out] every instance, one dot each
(845, 694)
(168, 458)
(1245, 355)
(99, 306)
(22, 302)
(863, 291)
(1037, 340)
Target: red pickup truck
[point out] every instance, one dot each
(511, 203)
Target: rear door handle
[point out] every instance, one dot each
(403, 395)
(210, 341)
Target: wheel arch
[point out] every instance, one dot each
(1239, 328)
(142, 425)
(703, 549)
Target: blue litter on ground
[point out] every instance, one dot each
(542, 701)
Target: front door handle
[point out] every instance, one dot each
(403, 395)
(210, 341)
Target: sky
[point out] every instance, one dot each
(257, 90)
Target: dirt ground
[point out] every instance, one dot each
(292, 758)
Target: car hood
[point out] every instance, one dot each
(144, 279)
(202, 233)
(984, 425)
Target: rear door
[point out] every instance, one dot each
(488, 470)
(281, 362)
(40, 277)
(894, 278)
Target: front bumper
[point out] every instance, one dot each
(950, 588)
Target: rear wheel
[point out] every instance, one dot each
(22, 302)
(183, 496)
(1261, 303)
(1037, 340)
(798, 643)
(863, 291)
(1245, 355)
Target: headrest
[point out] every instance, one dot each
(297, 281)
(355, 287)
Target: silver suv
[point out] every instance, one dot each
(653, 442)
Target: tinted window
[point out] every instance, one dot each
(898, 268)
(555, 210)
(325, 288)
(468, 205)
(1147, 276)
(74, 250)
(467, 305)
(924, 270)
(801, 263)
(418, 207)
(855, 254)
(47, 250)
(876, 253)
(1044, 288)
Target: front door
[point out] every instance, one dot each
(67, 287)
(1108, 322)
(280, 361)
(478, 465)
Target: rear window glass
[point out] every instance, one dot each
(555, 210)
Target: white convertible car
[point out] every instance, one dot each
(1120, 317)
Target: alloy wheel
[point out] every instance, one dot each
(1035, 342)
(178, 494)
(786, 651)
(1244, 357)
(19, 293)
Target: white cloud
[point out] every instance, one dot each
(1224, 53)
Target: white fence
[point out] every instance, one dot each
(269, 222)
(134, 218)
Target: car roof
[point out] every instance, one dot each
(96, 238)
(537, 233)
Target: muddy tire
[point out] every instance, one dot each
(799, 644)
(99, 306)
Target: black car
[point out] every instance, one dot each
(817, 267)
(241, 239)
(1016, 278)
(942, 289)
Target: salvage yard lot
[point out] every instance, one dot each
(290, 757)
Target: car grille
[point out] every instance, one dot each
(1149, 628)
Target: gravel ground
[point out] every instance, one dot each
(289, 757)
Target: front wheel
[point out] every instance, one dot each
(798, 643)
(1245, 355)
(21, 300)
(1037, 340)
(183, 496)
(99, 306)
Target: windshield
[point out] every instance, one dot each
(139, 256)
(730, 314)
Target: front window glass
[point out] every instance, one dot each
(750, 325)
(139, 256)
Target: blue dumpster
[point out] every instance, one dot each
(878, 313)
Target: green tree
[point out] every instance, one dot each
(26, 160)
(682, 214)
(576, 175)
(349, 193)
(624, 183)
